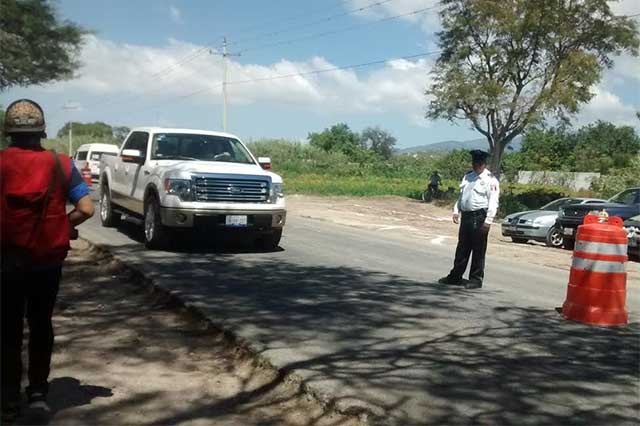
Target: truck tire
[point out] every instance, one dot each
(555, 237)
(271, 240)
(108, 217)
(156, 235)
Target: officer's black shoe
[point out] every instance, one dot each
(450, 281)
(470, 285)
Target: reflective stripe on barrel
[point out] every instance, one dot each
(606, 266)
(601, 248)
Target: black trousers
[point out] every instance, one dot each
(32, 292)
(472, 242)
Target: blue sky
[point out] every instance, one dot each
(130, 77)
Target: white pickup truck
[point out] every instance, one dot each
(172, 179)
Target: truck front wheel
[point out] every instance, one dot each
(156, 235)
(271, 240)
(108, 217)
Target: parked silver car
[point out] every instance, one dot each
(539, 225)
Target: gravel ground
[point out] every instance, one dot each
(126, 355)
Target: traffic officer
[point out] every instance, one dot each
(35, 230)
(474, 210)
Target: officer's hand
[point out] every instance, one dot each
(486, 228)
(456, 218)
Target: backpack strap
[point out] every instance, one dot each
(57, 174)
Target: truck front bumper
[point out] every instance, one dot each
(216, 219)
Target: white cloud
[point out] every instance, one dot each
(124, 74)
(607, 106)
(428, 20)
(625, 7)
(176, 14)
(133, 78)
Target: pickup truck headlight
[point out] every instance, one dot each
(179, 187)
(276, 192)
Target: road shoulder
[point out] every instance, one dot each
(125, 354)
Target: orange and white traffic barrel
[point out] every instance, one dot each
(597, 288)
(86, 175)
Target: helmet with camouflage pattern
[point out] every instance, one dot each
(24, 116)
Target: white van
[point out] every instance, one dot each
(91, 154)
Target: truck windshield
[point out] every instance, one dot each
(178, 146)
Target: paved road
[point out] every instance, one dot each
(360, 317)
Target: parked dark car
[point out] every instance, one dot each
(626, 204)
(632, 226)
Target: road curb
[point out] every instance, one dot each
(241, 346)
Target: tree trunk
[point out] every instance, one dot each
(495, 162)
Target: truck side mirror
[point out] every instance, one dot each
(132, 156)
(265, 162)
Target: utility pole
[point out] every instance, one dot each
(225, 72)
(224, 84)
(69, 106)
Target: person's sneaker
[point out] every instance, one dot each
(449, 281)
(39, 410)
(470, 285)
(10, 413)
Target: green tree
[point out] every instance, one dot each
(95, 130)
(454, 164)
(379, 141)
(36, 47)
(120, 132)
(507, 65)
(338, 137)
(3, 140)
(603, 147)
(548, 149)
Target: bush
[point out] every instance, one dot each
(618, 180)
(516, 197)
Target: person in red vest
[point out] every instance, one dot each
(35, 230)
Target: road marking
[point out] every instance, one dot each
(389, 228)
(439, 219)
(439, 240)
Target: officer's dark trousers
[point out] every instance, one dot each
(31, 292)
(472, 242)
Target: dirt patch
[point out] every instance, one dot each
(425, 221)
(128, 355)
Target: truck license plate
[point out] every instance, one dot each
(235, 220)
(568, 231)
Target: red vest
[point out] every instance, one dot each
(36, 233)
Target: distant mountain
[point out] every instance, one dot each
(447, 146)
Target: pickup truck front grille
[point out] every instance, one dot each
(214, 189)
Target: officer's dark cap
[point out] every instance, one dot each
(479, 155)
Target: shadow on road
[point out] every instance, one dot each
(211, 242)
(413, 353)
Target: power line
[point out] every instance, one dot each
(341, 30)
(315, 22)
(180, 98)
(253, 28)
(199, 52)
(195, 54)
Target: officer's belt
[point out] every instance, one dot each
(475, 212)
